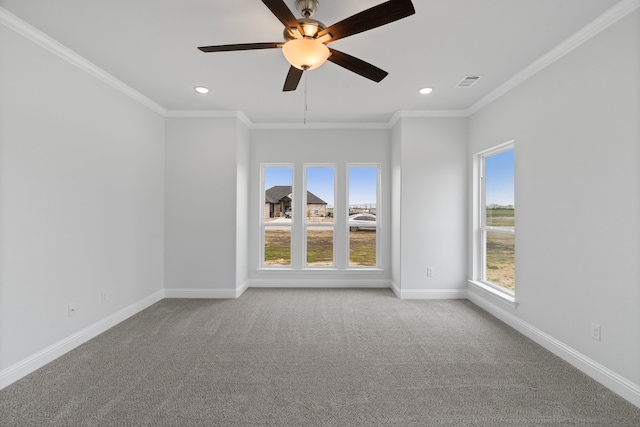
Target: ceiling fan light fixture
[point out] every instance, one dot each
(307, 7)
(309, 30)
(305, 53)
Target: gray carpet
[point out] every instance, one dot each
(311, 357)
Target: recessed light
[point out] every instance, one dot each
(426, 90)
(201, 89)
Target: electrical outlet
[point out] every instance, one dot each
(103, 297)
(595, 331)
(429, 271)
(71, 309)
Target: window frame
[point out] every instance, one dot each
(378, 216)
(481, 228)
(263, 223)
(298, 225)
(305, 223)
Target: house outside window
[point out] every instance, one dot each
(278, 203)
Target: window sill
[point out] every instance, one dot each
(505, 297)
(323, 270)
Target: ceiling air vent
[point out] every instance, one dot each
(468, 81)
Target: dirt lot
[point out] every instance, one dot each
(500, 260)
(362, 248)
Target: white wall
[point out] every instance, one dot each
(576, 127)
(339, 146)
(242, 208)
(81, 199)
(396, 203)
(202, 224)
(432, 215)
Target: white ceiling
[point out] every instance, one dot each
(151, 46)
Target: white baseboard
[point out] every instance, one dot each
(23, 368)
(242, 289)
(618, 384)
(395, 289)
(201, 293)
(319, 283)
(429, 293)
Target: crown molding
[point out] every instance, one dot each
(203, 113)
(16, 24)
(599, 24)
(242, 117)
(245, 120)
(307, 126)
(239, 115)
(604, 21)
(402, 114)
(315, 126)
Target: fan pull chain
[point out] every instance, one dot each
(306, 78)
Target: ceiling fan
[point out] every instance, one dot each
(306, 38)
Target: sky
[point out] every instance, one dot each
(499, 178)
(277, 176)
(362, 186)
(320, 181)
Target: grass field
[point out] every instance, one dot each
(362, 248)
(500, 256)
(500, 217)
(319, 247)
(277, 247)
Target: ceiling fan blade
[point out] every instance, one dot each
(356, 65)
(241, 46)
(292, 80)
(374, 17)
(283, 13)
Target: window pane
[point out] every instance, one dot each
(362, 247)
(278, 192)
(500, 259)
(363, 198)
(319, 245)
(320, 193)
(277, 245)
(500, 217)
(320, 183)
(499, 190)
(277, 215)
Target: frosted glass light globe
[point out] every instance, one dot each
(305, 53)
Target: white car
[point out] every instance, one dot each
(363, 221)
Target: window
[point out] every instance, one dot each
(308, 221)
(277, 215)
(496, 213)
(319, 225)
(363, 220)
